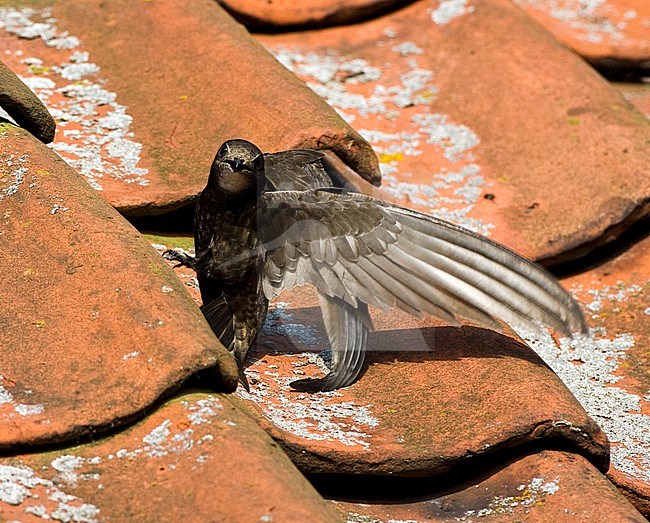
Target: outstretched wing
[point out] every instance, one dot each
(347, 327)
(356, 248)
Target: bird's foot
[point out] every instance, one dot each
(182, 259)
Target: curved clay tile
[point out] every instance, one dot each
(312, 13)
(94, 327)
(196, 458)
(607, 33)
(162, 84)
(24, 106)
(479, 115)
(429, 397)
(544, 486)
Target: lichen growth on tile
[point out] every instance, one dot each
(531, 495)
(10, 407)
(392, 112)
(589, 366)
(448, 10)
(94, 131)
(21, 486)
(169, 440)
(13, 174)
(594, 21)
(321, 416)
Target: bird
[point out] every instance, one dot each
(265, 223)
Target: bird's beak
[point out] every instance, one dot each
(238, 163)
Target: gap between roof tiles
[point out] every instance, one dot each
(367, 488)
(593, 255)
(195, 383)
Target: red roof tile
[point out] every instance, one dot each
(162, 84)
(197, 458)
(24, 107)
(548, 486)
(94, 327)
(480, 116)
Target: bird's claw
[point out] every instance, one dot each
(184, 260)
(243, 380)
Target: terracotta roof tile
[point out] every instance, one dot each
(478, 115)
(548, 486)
(312, 13)
(93, 325)
(24, 107)
(427, 398)
(603, 31)
(613, 382)
(147, 139)
(197, 458)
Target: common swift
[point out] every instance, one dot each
(266, 223)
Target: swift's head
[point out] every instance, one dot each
(238, 168)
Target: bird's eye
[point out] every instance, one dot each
(258, 163)
(223, 150)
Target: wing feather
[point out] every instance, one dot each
(357, 250)
(391, 255)
(347, 329)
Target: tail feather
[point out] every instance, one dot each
(221, 320)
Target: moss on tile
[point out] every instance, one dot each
(171, 241)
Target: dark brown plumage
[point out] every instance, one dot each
(266, 223)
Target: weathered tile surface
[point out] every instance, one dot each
(429, 394)
(613, 381)
(24, 107)
(601, 31)
(285, 13)
(196, 459)
(544, 487)
(93, 326)
(480, 116)
(427, 398)
(143, 127)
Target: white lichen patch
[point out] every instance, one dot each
(22, 486)
(169, 439)
(530, 496)
(407, 48)
(615, 294)
(595, 21)
(315, 417)
(455, 140)
(202, 411)
(10, 407)
(95, 134)
(321, 416)
(448, 10)
(589, 366)
(67, 466)
(13, 174)
(392, 112)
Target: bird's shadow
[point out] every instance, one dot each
(419, 344)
